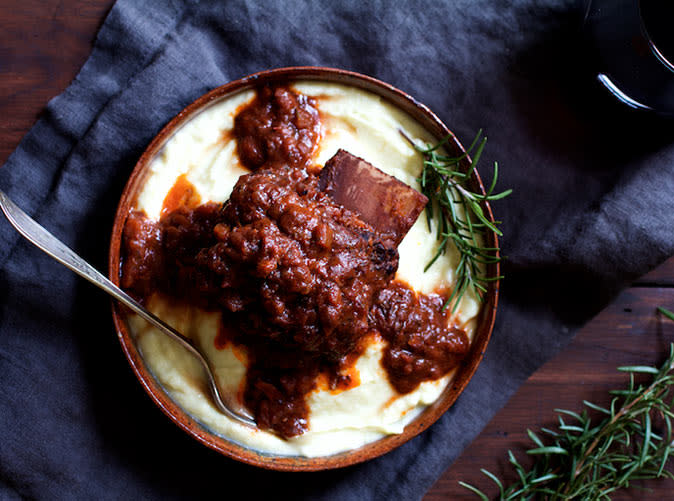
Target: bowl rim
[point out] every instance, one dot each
(161, 398)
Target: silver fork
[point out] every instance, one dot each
(52, 246)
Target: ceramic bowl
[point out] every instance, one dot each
(221, 444)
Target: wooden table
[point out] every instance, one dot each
(43, 43)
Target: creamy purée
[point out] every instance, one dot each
(367, 126)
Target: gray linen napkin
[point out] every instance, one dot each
(592, 208)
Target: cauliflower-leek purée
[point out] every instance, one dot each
(204, 156)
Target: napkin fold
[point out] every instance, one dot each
(592, 208)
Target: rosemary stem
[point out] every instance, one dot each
(447, 186)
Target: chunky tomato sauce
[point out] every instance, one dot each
(301, 281)
(280, 127)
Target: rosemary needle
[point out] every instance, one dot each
(447, 187)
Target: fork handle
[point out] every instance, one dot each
(52, 246)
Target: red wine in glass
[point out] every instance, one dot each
(634, 43)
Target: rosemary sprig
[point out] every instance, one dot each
(589, 461)
(447, 187)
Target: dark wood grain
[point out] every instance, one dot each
(662, 276)
(43, 43)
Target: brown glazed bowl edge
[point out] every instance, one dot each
(232, 449)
